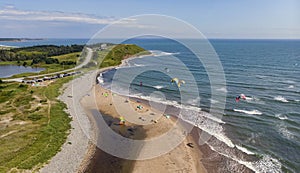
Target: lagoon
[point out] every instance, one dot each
(10, 70)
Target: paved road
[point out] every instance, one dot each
(85, 62)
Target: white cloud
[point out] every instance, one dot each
(13, 21)
(11, 13)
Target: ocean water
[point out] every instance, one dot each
(50, 41)
(56, 41)
(266, 125)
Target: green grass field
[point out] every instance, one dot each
(120, 52)
(33, 125)
(68, 57)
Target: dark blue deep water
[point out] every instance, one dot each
(265, 125)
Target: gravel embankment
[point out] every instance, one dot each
(76, 147)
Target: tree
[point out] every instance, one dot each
(39, 52)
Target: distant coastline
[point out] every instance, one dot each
(19, 39)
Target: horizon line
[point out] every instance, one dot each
(209, 38)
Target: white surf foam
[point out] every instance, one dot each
(211, 127)
(160, 53)
(253, 112)
(280, 98)
(172, 103)
(213, 101)
(290, 81)
(195, 109)
(158, 87)
(223, 89)
(254, 100)
(249, 98)
(282, 130)
(245, 150)
(194, 102)
(291, 86)
(267, 164)
(100, 79)
(138, 65)
(195, 116)
(209, 124)
(281, 117)
(264, 165)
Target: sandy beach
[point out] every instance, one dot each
(80, 154)
(183, 158)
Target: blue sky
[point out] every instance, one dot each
(214, 18)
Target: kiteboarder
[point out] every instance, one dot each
(237, 99)
(241, 96)
(177, 81)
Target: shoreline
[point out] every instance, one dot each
(211, 160)
(86, 152)
(192, 153)
(77, 139)
(181, 158)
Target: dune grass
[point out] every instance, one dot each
(36, 125)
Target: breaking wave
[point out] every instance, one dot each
(281, 117)
(245, 150)
(280, 98)
(160, 53)
(253, 112)
(265, 164)
(223, 89)
(282, 130)
(138, 65)
(158, 87)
